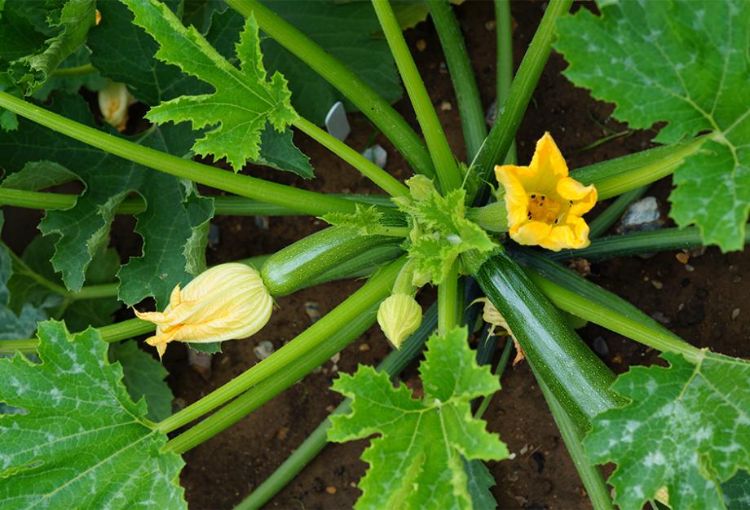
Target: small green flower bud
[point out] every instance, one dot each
(399, 316)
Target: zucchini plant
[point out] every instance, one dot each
(86, 417)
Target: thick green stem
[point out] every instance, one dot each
(393, 364)
(112, 333)
(223, 205)
(617, 176)
(462, 75)
(380, 177)
(448, 301)
(376, 289)
(611, 214)
(307, 202)
(64, 72)
(95, 292)
(572, 435)
(499, 370)
(440, 151)
(377, 109)
(582, 298)
(637, 243)
(504, 68)
(495, 147)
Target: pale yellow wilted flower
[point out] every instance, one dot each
(114, 100)
(492, 316)
(225, 302)
(399, 315)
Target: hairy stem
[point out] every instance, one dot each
(445, 165)
(462, 75)
(307, 202)
(504, 68)
(377, 109)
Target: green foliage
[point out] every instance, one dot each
(35, 37)
(172, 226)
(144, 378)
(364, 221)
(684, 63)
(347, 30)
(440, 231)
(82, 442)
(419, 460)
(243, 100)
(686, 428)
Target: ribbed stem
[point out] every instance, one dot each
(307, 202)
(377, 109)
(462, 75)
(445, 165)
(504, 68)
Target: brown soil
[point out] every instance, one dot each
(697, 299)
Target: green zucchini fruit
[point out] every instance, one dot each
(579, 380)
(302, 262)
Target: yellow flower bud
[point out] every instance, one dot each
(114, 100)
(399, 315)
(226, 302)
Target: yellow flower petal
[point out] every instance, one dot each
(543, 205)
(226, 302)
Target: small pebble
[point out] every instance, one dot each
(312, 309)
(737, 279)
(600, 346)
(282, 433)
(330, 408)
(331, 490)
(617, 359)
(263, 350)
(735, 313)
(262, 222)
(490, 25)
(337, 124)
(657, 284)
(689, 268)
(377, 155)
(446, 106)
(200, 362)
(443, 69)
(421, 45)
(682, 257)
(364, 347)
(660, 317)
(645, 214)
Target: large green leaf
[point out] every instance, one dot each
(172, 225)
(347, 30)
(683, 63)
(243, 100)
(38, 45)
(81, 442)
(143, 377)
(418, 462)
(687, 428)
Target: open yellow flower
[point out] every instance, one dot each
(225, 302)
(544, 205)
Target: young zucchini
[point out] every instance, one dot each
(295, 266)
(578, 379)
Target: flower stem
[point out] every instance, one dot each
(462, 75)
(112, 333)
(307, 202)
(437, 144)
(499, 370)
(393, 364)
(582, 298)
(498, 142)
(376, 289)
(383, 179)
(504, 68)
(377, 109)
(64, 72)
(449, 313)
